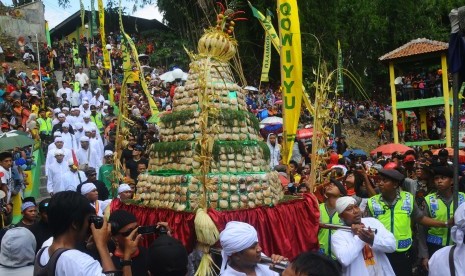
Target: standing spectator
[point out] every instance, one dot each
(275, 152)
(74, 177)
(29, 212)
(81, 77)
(91, 175)
(55, 173)
(41, 229)
(132, 164)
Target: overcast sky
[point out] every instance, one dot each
(55, 14)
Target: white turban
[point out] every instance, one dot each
(343, 202)
(236, 237)
(84, 139)
(123, 188)
(65, 124)
(58, 139)
(59, 152)
(56, 133)
(87, 188)
(458, 230)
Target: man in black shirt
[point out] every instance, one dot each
(132, 164)
(41, 230)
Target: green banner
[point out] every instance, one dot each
(268, 26)
(340, 80)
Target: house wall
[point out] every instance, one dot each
(27, 20)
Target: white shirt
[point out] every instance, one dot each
(74, 263)
(97, 102)
(84, 111)
(51, 156)
(260, 270)
(69, 141)
(75, 99)
(66, 91)
(439, 262)
(348, 250)
(55, 173)
(90, 158)
(6, 180)
(72, 179)
(86, 94)
(82, 78)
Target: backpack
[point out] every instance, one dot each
(51, 266)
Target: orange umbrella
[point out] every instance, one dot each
(389, 149)
(451, 153)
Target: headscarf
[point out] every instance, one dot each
(123, 188)
(87, 188)
(343, 202)
(458, 230)
(236, 237)
(27, 205)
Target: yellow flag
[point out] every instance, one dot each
(101, 17)
(135, 57)
(266, 59)
(291, 71)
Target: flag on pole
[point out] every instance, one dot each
(267, 25)
(47, 34)
(266, 59)
(83, 14)
(101, 17)
(291, 72)
(340, 80)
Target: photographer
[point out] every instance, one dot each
(70, 217)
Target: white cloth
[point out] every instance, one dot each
(343, 202)
(6, 180)
(84, 111)
(123, 188)
(71, 180)
(260, 270)
(55, 172)
(85, 94)
(97, 102)
(82, 78)
(74, 263)
(51, 156)
(69, 141)
(87, 188)
(97, 145)
(348, 249)
(236, 237)
(75, 99)
(90, 158)
(439, 262)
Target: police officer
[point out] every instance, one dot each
(45, 126)
(328, 214)
(439, 206)
(395, 209)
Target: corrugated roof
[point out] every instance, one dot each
(416, 47)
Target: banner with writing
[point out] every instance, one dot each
(101, 17)
(266, 59)
(291, 72)
(268, 26)
(135, 57)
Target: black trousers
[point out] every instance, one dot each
(401, 263)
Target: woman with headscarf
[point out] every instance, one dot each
(242, 253)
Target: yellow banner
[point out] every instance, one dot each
(135, 57)
(101, 19)
(291, 71)
(266, 59)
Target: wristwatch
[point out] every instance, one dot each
(125, 262)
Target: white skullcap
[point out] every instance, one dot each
(65, 108)
(58, 139)
(34, 93)
(97, 90)
(84, 139)
(70, 161)
(236, 237)
(57, 134)
(123, 188)
(58, 152)
(108, 153)
(343, 202)
(86, 116)
(56, 110)
(105, 107)
(78, 125)
(61, 115)
(85, 102)
(458, 230)
(87, 129)
(93, 128)
(87, 188)
(65, 124)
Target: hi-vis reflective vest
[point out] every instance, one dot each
(324, 235)
(396, 218)
(45, 125)
(97, 119)
(440, 211)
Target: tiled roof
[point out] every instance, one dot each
(416, 47)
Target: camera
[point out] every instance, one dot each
(152, 229)
(96, 220)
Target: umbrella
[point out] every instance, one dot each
(273, 120)
(451, 154)
(354, 152)
(398, 80)
(389, 149)
(170, 77)
(305, 133)
(251, 88)
(12, 139)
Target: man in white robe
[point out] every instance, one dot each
(73, 177)
(55, 173)
(87, 156)
(69, 139)
(361, 252)
(89, 190)
(79, 133)
(439, 262)
(52, 146)
(59, 144)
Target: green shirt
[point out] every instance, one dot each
(106, 176)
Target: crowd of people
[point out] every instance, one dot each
(398, 208)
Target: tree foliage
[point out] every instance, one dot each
(367, 29)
